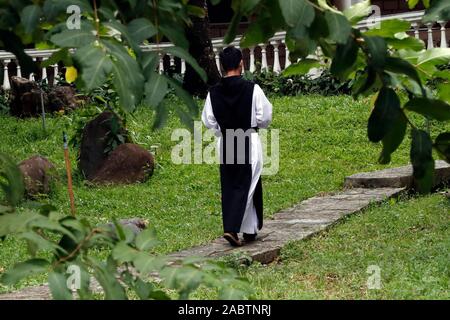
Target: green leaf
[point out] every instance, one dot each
(422, 160)
(400, 66)
(377, 49)
(183, 54)
(111, 286)
(297, 11)
(358, 11)
(338, 26)
(122, 252)
(344, 58)
(443, 90)
(95, 66)
(60, 55)
(75, 38)
(232, 28)
(364, 82)
(393, 138)
(175, 33)
(141, 29)
(410, 43)
(146, 263)
(23, 270)
(162, 113)
(388, 28)
(412, 4)
(40, 242)
(384, 114)
(156, 89)
(15, 223)
(301, 67)
(124, 31)
(436, 56)
(432, 108)
(12, 183)
(149, 61)
(184, 279)
(128, 80)
(146, 239)
(196, 11)
(30, 18)
(442, 145)
(439, 10)
(184, 95)
(58, 286)
(258, 31)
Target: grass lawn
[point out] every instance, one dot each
(321, 141)
(408, 240)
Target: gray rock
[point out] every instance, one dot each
(400, 177)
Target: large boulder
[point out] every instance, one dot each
(128, 163)
(26, 98)
(62, 98)
(37, 173)
(94, 142)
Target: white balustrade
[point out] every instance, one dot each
(183, 66)
(6, 84)
(443, 34)
(55, 73)
(415, 26)
(216, 55)
(252, 66)
(280, 48)
(263, 57)
(430, 44)
(44, 71)
(161, 63)
(18, 69)
(276, 57)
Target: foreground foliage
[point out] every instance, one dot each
(130, 267)
(383, 59)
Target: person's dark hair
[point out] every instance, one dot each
(230, 57)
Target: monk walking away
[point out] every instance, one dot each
(235, 108)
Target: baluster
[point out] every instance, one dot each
(6, 84)
(430, 44)
(216, 54)
(263, 57)
(276, 57)
(415, 25)
(44, 71)
(287, 62)
(31, 76)
(161, 63)
(18, 69)
(252, 67)
(55, 73)
(172, 60)
(443, 35)
(183, 66)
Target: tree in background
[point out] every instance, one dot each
(200, 47)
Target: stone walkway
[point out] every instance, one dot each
(301, 221)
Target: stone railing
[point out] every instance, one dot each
(271, 55)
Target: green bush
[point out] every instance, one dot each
(325, 84)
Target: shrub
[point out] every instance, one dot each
(325, 84)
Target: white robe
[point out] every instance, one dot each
(261, 118)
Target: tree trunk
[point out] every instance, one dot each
(200, 47)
